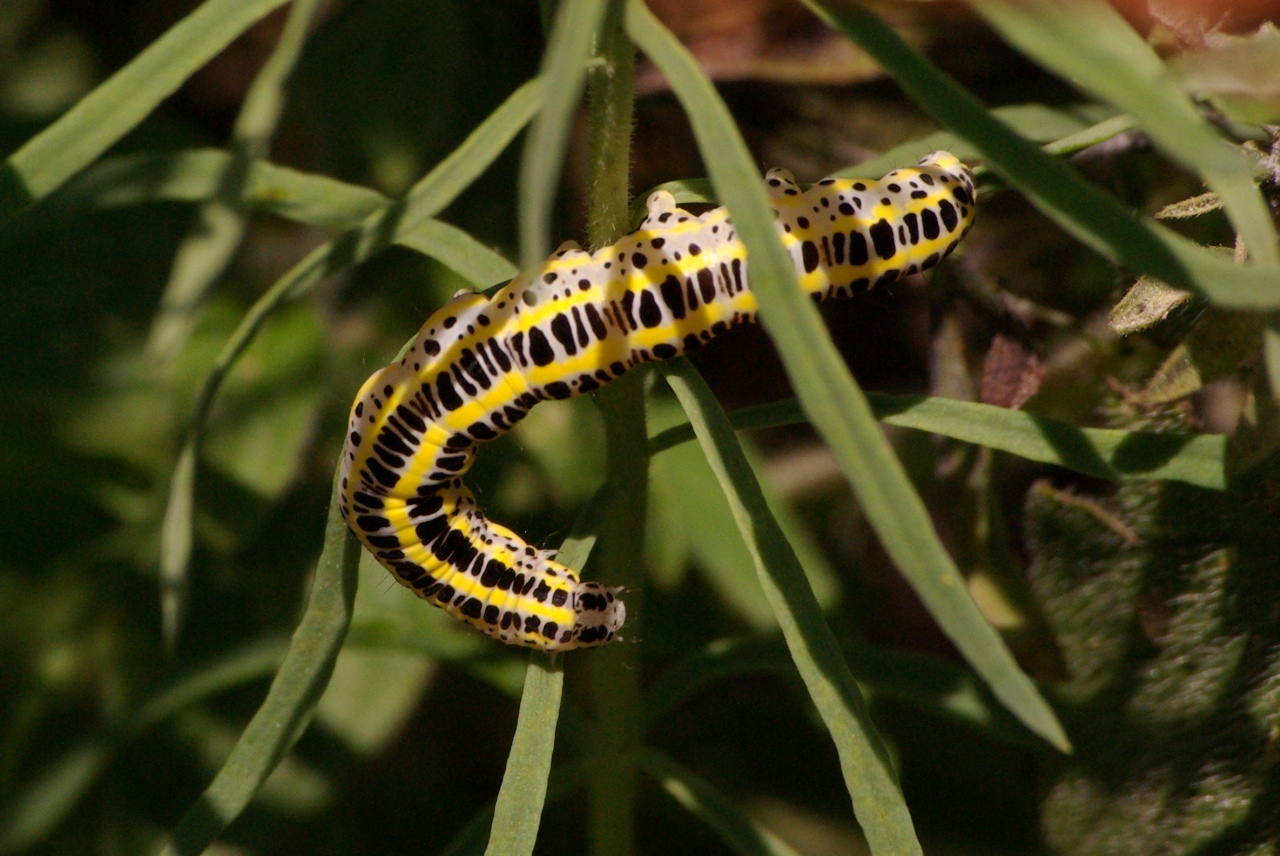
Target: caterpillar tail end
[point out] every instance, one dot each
(600, 615)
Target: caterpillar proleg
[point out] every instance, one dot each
(479, 364)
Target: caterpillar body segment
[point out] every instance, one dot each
(479, 364)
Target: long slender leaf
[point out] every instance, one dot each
(192, 175)
(829, 395)
(1083, 209)
(711, 806)
(377, 231)
(202, 257)
(60, 787)
(518, 811)
(931, 684)
(294, 692)
(218, 226)
(114, 108)
(1023, 118)
(564, 68)
(459, 252)
(868, 775)
(473, 838)
(1107, 453)
(1090, 44)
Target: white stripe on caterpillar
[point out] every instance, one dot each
(479, 364)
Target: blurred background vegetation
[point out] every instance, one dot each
(1148, 611)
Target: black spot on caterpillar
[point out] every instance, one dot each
(479, 364)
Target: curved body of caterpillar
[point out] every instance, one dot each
(479, 364)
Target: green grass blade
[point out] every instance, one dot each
(518, 811)
(191, 175)
(459, 252)
(564, 68)
(294, 692)
(828, 393)
(114, 108)
(868, 774)
(218, 227)
(1086, 211)
(54, 795)
(711, 806)
(377, 231)
(1028, 120)
(931, 684)
(177, 537)
(1106, 453)
(1090, 44)
(472, 839)
(1099, 133)
(59, 788)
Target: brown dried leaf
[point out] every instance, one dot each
(1011, 373)
(773, 40)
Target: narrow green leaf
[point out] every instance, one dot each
(473, 838)
(192, 175)
(868, 774)
(1023, 119)
(53, 795)
(711, 806)
(1086, 211)
(518, 811)
(1099, 133)
(1090, 44)
(177, 535)
(293, 695)
(828, 393)
(564, 68)
(1106, 453)
(1271, 356)
(459, 252)
(61, 785)
(377, 231)
(115, 107)
(935, 685)
(218, 227)
(1033, 121)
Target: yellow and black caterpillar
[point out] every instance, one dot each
(479, 364)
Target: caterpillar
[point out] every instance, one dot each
(479, 364)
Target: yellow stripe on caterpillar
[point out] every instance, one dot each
(478, 365)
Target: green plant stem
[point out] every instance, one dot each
(611, 746)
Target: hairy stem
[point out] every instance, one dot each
(612, 743)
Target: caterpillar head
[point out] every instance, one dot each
(952, 165)
(600, 614)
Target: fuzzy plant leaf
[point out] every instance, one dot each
(1145, 305)
(1219, 344)
(1163, 599)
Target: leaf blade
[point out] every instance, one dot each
(829, 395)
(117, 106)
